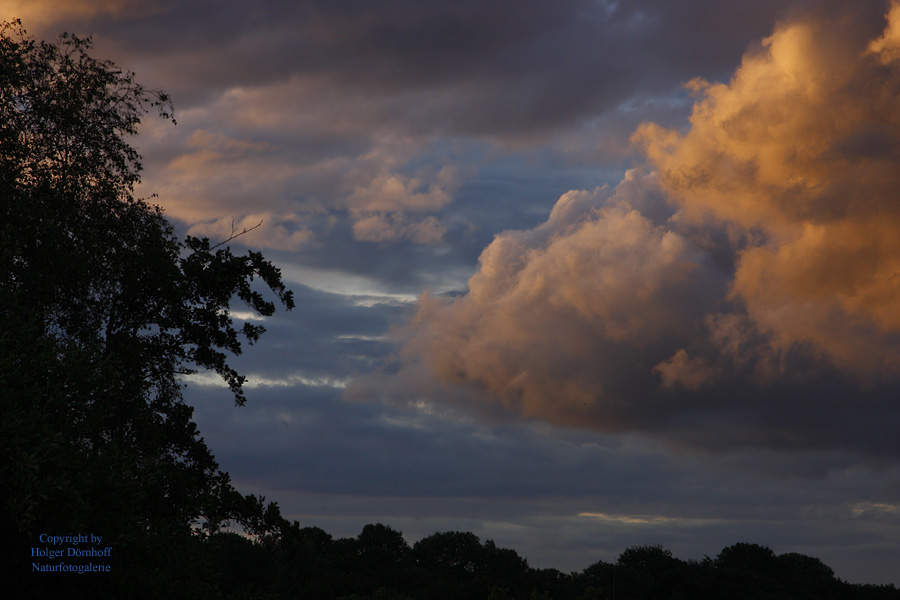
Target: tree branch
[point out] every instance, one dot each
(236, 234)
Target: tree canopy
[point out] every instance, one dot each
(102, 311)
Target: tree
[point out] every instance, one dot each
(102, 311)
(747, 557)
(455, 553)
(807, 577)
(381, 547)
(648, 571)
(749, 571)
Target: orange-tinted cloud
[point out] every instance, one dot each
(748, 316)
(263, 230)
(216, 178)
(387, 206)
(393, 227)
(44, 14)
(553, 314)
(803, 146)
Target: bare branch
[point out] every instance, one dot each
(236, 234)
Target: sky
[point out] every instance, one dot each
(573, 276)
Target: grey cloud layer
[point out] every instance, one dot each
(563, 499)
(503, 67)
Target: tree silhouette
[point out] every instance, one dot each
(647, 572)
(102, 310)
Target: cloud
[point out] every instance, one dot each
(887, 47)
(292, 380)
(264, 230)
(334, 122)
(465, 67)
(683, 370)
(559, 319)
(391, 192)
(380, 227)
(562, 498)
(743, 294)
(387, 206)
(289, 107)
(802, 145)
(214, 179)
(45, 12)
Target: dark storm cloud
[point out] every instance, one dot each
(481, 68)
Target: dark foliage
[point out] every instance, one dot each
(102, 309)
(378, 564)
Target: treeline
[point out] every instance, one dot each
(378, 564)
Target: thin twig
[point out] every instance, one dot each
(236, 234)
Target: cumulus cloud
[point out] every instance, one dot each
(215, 179)
(683, 370)
(393, 192)
(559, 320)
(802, 145)
(387, 206)
(755, 306)
(393, 227)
